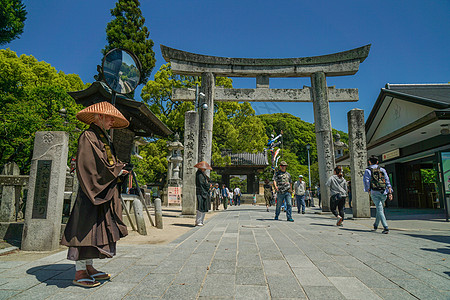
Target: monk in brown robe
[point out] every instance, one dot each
(95, 224)
(202, 187)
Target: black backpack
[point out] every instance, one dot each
(377, 180)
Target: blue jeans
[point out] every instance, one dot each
(300, 201)
(288, 200)
(379, 199)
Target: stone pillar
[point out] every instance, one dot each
(10, 194)
(41, 231)
(325, 152)
(358, 162)
(190, 156)
(206, 119)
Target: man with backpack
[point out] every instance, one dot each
(376, 182)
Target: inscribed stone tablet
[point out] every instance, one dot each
(41, 192)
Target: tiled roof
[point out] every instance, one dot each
(435, 91)
(247, 159)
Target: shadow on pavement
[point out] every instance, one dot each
(436, 238)
(327, 225)
(439, 250)
(183, 225)
(358, 230)
(54, 274)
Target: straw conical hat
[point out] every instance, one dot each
(203, 165)
(87, 115)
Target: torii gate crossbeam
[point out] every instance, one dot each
(316, 67)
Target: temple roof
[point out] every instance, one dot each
(143, 122)
(254, 160)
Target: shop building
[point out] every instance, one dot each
(409, 129)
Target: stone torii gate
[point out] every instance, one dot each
(316, 67)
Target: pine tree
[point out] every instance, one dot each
(12, 18)
(127, 31)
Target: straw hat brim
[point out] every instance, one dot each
(203, 165)
(87, 115)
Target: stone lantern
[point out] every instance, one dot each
(175, 161)
(339, 146)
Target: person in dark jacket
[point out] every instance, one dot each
(202, 185)
(95, 223)
(338, 190)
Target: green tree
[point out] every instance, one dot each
(32, 93)
(127, 31)
(12, 20)
(153, 165)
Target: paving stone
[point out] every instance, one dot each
(5, 294)
(352, 288)
(114, 290)
(276, 267)
(40, 291)
(299, 261)
(419, 289)
(393, 294)
(285, 287)
(249, 260)
(333, 269)
(154, 284)
(21, 284)
(183, 291)
(218, 285)
(250, 276)
(390, 271)
(132, 275)
(169, 266)
(311, 277)
(219, 266)
(373, 279)
(245, 292)
(437, 281)
(323, 292)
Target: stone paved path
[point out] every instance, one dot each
(242, 253)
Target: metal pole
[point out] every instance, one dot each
(196, 97)
(309, 170)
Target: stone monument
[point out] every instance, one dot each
(43, 213)
(358, 162)
(317, 68)
(188, 199)
(9, 193)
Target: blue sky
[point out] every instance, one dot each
(410, 39)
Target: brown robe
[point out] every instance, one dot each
(95, 224)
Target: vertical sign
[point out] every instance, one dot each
(41, 192)
(445, 156)
(174, 195)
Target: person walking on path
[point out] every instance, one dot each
(237, 196)
(267, 193)
(95, 223)
(282, 183)
(308, 197)
(202, 185)
(216, 197)
(319, 196)
(300, 189)
(376, 182)
(338, 191)
(224, 196)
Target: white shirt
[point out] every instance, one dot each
(300, 187)
(237, 191)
